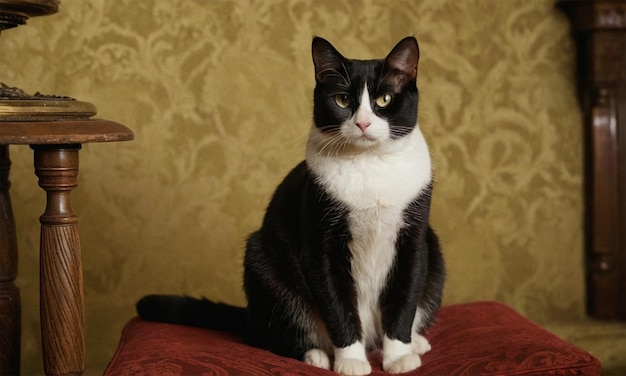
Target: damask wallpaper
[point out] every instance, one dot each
(218, 94)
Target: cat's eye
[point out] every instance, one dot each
(384, 100)
(342, 100)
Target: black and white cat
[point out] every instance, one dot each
(345, 260)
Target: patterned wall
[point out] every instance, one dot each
(218, 94)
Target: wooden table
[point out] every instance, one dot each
(56, 145)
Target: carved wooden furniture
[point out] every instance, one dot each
(56, 145)
(16, 12)
(599, 28)
(55, 128)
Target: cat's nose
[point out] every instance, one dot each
(363, 125)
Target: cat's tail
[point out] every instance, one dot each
(184, 310)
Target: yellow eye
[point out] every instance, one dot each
(384, 100)
(342, 100)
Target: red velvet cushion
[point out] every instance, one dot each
(484, 338)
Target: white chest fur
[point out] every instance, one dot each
(376, 185)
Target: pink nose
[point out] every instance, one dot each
(363, 125)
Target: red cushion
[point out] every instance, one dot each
(484, 338)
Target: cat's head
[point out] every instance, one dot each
(362, 104)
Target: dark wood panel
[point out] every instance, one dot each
(599, 28)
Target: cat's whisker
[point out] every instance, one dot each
(333, 144)
(345, 70)
(335, 74)
(295, 143)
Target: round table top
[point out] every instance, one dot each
(62, 132)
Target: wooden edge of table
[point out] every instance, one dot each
(62, 132)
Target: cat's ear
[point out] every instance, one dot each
(401, 63)
(327, 60)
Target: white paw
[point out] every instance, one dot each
(406, 363)
(317, 358)
(352, 360)
(420, 345)
(352, 367)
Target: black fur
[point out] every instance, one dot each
(337, 75)
(297, 267)
(189, 311)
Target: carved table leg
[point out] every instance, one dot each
(10, 316)
(62, 301)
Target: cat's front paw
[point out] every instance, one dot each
(420, 345)
(352, 360)
(352, 367)
(407, 363)
(317, 358)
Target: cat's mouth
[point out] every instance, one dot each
(364, 141)
(368, 137)
(338, 142)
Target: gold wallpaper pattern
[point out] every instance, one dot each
(218, 94)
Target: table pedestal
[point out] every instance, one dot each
(56, 145)
(61, 273)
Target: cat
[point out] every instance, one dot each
(345, 260)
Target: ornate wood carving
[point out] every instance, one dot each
(16, 12)
(10, 317)
(17, 105)
(62, 300)
(600, 31)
